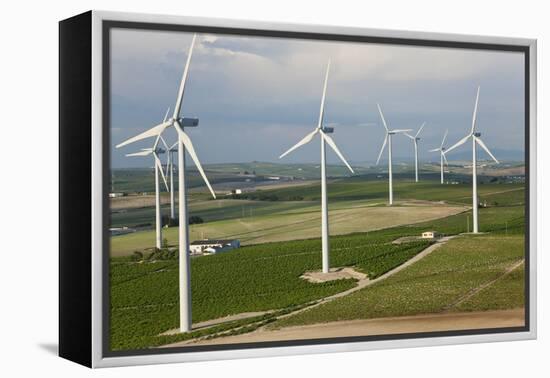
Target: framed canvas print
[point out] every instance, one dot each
(233, 189)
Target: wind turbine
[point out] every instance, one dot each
(415, 140)
(170, 170)
(442, 156)
(170, 166)
(323, 133)
(475, 140)
(156, 151)
(184, 143)
(387, 139)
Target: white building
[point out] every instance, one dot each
(213, 246)
(430, 234)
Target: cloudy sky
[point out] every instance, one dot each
(257, 96)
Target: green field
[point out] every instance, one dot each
(434, 283)
(359, 188)
(264, 276)
(144, 300)
(507, 292)
(144, 296)
(350, 200)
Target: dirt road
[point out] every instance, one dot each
(381, 326)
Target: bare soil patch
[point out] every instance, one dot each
(381, 326)
(333, 274)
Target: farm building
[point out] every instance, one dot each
(212, 246)
(430, 234)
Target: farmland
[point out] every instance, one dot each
(256, 221)
(279, 228)
(265, 277)
(293, 223)
(435, 284)
(144, 296)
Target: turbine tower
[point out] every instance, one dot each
(415, 140)
(323, 133)
(442, 156)
(156, 151)
(387, 139)
(475, 136)
(170, 167)
(184, 144)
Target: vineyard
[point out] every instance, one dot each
(436, 284)
(265, 278)
(144, 296)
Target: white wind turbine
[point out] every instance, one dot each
(475, 141)
(184, 143)
(323, 133)
(156, 151)
(170, 170)
(415, 140)
(387, 139)
(442, 157)
(170, 166)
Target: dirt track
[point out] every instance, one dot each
(381, 326)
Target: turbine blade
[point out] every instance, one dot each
(322, 109)
(444, 157)
(382, 149)
(155, 145)
(459, 143)
(305, 140)
(159, 165)
(480, 142)
(400, 131)
(181, 90)
(435, 150)
(141, 153)
(444, 138)
(410, 136)
(420, 129)
(154, 131)
(166, 114)
(382, 116)
(331, 143)
(475, 112)
(164, 143)
(191, 150)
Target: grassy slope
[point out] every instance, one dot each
(263, 277)
(507, 292)
(144, 297)
(295, 224)
(289, 225)
(266, 221)
(144, 301)
(432, 284)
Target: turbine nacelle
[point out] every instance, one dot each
(187, 121)
(398, 131)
